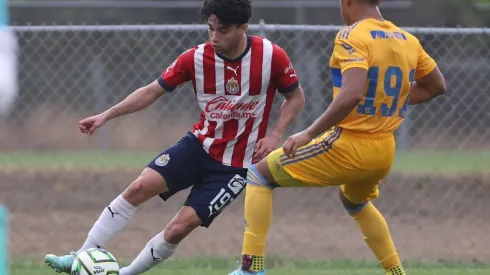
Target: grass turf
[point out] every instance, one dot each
(276, 266)
(413, 161)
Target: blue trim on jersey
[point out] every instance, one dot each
(344, 34)
(163, 84)
(289, 88)
(336, 77)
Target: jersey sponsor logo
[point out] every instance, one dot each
(232, 86)
(290, 70)
(170, 67)
(348, 48)
(355, 60)
(223, 108)
(388, 35)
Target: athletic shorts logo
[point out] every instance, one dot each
(236, 184)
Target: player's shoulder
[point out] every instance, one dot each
(354, 31)
(260, 43)
(191, 51)
(410, 37)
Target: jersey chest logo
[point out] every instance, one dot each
(232, 86)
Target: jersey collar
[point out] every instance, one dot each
(247, 49)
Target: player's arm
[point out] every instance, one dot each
(175, 75)
(136, 101)
(293, 103)
(351, 93)
(429, 81)
(286, 80)
(352, 54)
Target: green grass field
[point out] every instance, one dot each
(415, 162)
(412, 162)
(207, 266)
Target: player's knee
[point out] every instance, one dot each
(179, 228)
(254, 177)
(352, 208)
(143, 188)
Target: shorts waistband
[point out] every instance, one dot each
(365, 135)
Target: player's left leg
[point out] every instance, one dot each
(356, 198)
(258, 210)
(207, 199)
(270, 173)
(164, 244)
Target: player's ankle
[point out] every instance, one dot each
(397, 270)
(251, 263)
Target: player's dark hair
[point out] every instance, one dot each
(229, 12)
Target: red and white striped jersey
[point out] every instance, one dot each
(235, 96)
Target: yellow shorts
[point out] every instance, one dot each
(356, 162)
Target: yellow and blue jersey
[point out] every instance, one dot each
(393, 58)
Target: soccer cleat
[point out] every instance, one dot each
(60, 263)
(242, 272)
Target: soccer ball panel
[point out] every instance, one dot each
(95, 261)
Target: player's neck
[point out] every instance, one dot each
(239, 50)
(371, 13)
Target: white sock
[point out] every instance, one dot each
(112, 220)
(156, 251)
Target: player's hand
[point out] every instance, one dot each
(89, 125)
(264, 147)
(295, 141)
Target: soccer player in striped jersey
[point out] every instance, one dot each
(377, 70)
(235, 77)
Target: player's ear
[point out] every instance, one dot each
(244, 27)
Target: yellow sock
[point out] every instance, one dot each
(258, 215)
(397, 270)
(377, 236)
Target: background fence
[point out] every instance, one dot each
(439, 188)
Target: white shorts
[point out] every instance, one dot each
(9, 90)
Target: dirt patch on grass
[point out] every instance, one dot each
(431, 218)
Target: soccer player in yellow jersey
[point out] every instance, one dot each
(377, 70)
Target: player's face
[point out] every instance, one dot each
(345, 6)
(224, 39)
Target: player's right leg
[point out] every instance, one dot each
(163, 175)
(262, 178)
(114, 217)
(356, 198)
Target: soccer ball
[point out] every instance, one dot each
(95, 261)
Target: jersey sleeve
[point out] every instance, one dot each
(350, 52)
(283, 73)
(178, 73)
(425, 63)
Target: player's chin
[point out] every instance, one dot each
(217, 49)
